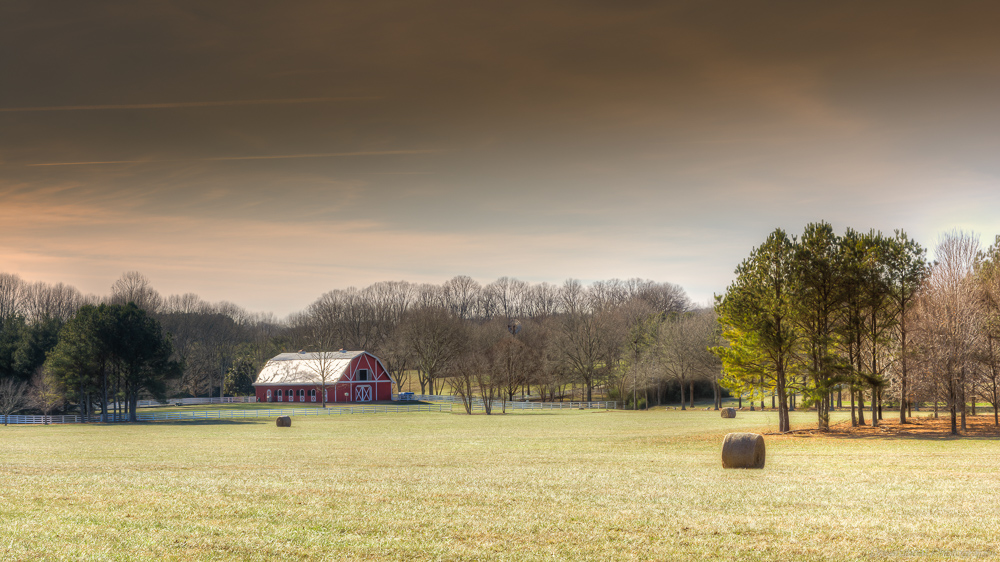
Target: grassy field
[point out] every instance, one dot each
(565, 485)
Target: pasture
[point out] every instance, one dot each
(563, 485)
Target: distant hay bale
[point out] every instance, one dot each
(284, 421)
(743, 450)
(729, 412)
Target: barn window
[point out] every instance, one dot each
(312, 394)
(362, 375)
(302, 395)
(279, 395)
(269, 395)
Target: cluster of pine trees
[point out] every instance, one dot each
(864, 316)
(822, 314)
(110, 354)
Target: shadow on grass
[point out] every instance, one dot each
(980, 428)
(917, 436)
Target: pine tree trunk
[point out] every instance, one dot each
(902, 381)
(963, 397)
(104, 406)
(874, 406)
(783, 419)
(953, 406)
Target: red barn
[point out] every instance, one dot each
(350, 376)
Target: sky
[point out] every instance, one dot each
(265, 153)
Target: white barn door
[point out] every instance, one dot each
(363, 393)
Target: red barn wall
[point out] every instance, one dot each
(346, 389)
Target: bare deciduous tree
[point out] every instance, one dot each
(42, 301)
(324, 358)
(469, 372)
(988, 278)
(188, 303)
(583, 339)
(462, 294)
(948, 320)
(13, 396)
(435, 339)
(134, 287)
(46, 392)
(677, 350)
(542, 300)
(11, 295)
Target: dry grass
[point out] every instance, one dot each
(565, 485)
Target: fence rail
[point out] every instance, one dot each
(198, 401)
(239, 414)
(270, 413)
(38, 419)
(330, 411)
(549, 406)
(477, 403)
(443, 398)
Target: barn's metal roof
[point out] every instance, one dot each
(303, 356)
(306, 368)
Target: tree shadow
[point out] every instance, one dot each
(915, 436)
(980, 428)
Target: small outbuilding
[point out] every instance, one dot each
(340, 376)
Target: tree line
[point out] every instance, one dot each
(627, 340)
(635, 341)
(102, 353)
(866, 315)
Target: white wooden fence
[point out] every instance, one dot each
(477, 403)
(240, 414)
(402, 407)
(447, 398)
(38, 419)
(551, 406)
(271, 413)
(198, 401)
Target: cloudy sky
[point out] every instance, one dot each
(265, 152)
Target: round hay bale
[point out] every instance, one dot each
(284, 421)
(729, 412)
(743, 450)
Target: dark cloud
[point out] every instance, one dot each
(635, 123)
